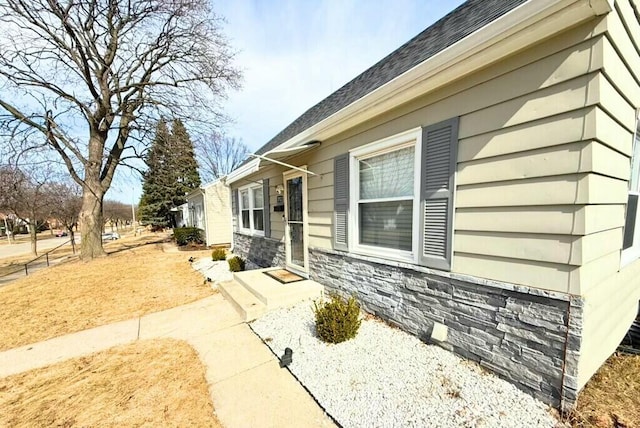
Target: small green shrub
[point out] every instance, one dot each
(338, 319)
(236, 264)
(188, 235)
(218, 254)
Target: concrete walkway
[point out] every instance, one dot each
(247, 386)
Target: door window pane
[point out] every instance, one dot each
(387, 224)
(388, 175)
(294, 194)
(296, 233)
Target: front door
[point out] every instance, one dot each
(295, 188)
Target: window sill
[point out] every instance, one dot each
(385, 254)
(249, 232)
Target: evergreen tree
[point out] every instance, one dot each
(172, 172)
(185, 166)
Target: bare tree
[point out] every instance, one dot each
(27, 195)
(67, 206)
(218, 155)
(92, 76)
(117, 213)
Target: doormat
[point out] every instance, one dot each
(284, 276)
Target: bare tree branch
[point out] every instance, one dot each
(218, 155)
(85, 78)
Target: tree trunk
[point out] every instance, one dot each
(91, 224)
(33, 233)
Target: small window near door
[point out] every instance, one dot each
(252, 209)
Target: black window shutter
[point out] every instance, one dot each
(267, 209)
(234, 208)
(438, 165)
(341, 201)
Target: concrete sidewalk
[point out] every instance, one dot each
(247, 386)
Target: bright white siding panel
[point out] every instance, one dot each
(556, 190)
(554, 219)
(565, 128)
(557, 160)
(543, 248)
(548, 276)
(564, 249)
(617, 72)
(609, 309)
(571, 95)
(611, 133)
(218, 206)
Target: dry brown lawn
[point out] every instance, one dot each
(148, 383)
(134, 280)
(611, 399)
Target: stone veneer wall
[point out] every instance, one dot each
(258, 251)
(528, 336)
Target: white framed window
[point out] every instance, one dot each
(251, 209)
(385, 188)
(631, 235)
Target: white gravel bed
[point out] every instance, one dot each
(218, 270)
(387, 378)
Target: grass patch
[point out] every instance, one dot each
(147, 383)
(134, 280)
(612, 397)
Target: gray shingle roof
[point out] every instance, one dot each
(464, 20)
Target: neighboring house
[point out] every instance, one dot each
(478, 187)
(181, 215)
(209, 209)
(195, 204)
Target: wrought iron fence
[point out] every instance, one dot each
(40, 261)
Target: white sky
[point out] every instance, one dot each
(294, 53)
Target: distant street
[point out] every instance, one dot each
(24, 247)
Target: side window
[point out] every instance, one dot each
(393, 198)
(631, 239)
(252, 209)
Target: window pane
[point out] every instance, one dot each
(387, 224)
(388, 175)
(294, 194)
(258, 201)
(258, 220)
(245, 219)
(244, 199)
(630, 221)
(296, 232)
(634, 182)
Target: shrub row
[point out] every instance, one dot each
(188, 235)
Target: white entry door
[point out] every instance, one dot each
(296, 233)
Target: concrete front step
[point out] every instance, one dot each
(253, 293)
(247, 305)
(273, 293)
